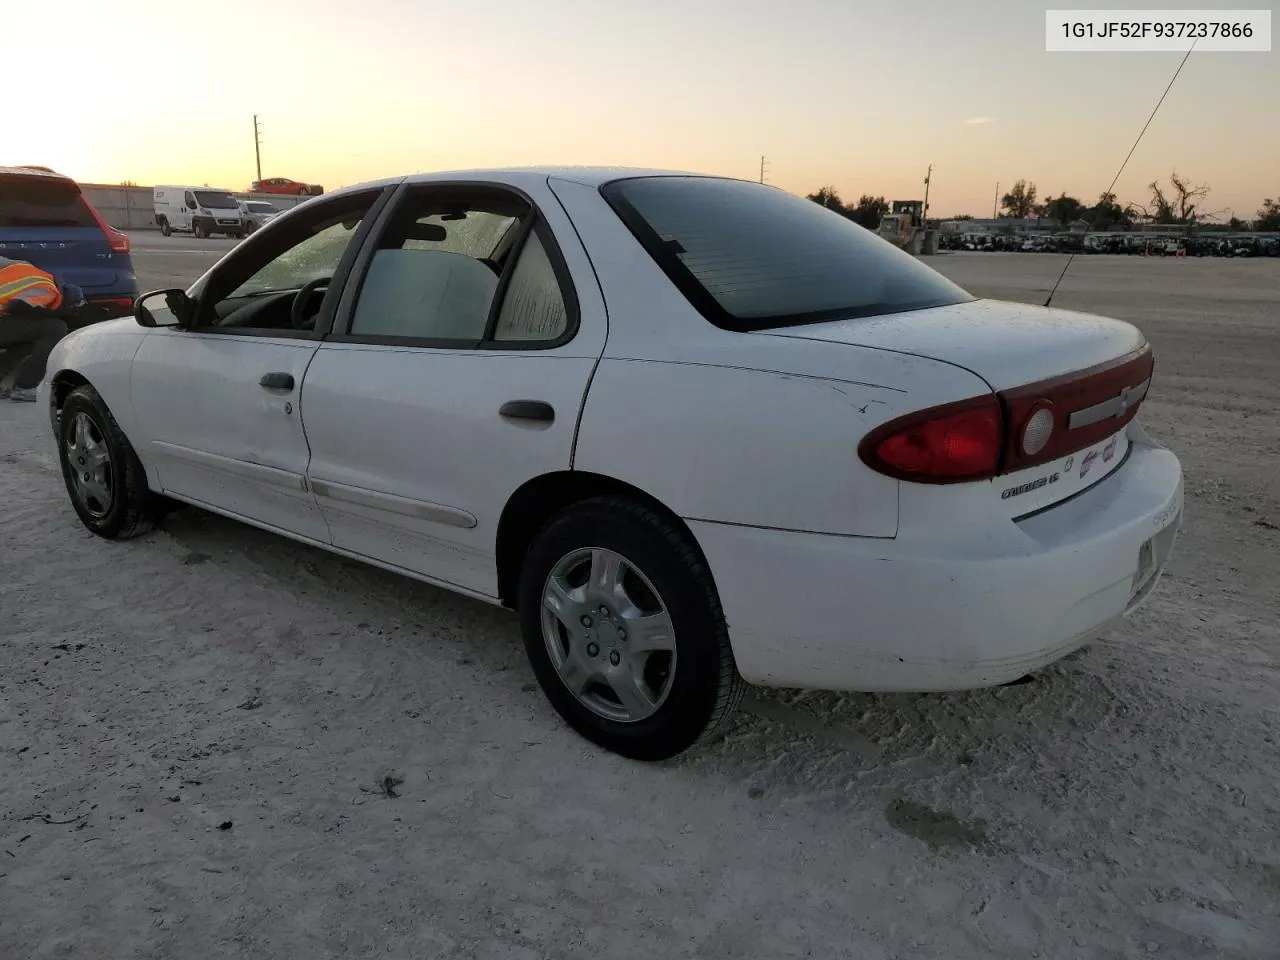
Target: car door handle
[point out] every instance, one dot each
(528, 410)
(277, 381)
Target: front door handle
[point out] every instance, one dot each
(528, 410)
(277, 381)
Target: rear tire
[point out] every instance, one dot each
(686, 672)
(104, 478)
(165, 229)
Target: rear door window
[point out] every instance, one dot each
(434, 276)
(465, 267)
(752, 257)
(35, 202)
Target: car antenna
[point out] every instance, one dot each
(1122, 166)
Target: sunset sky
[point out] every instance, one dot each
(859, 95)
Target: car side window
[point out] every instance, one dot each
(190, 199)
(436, 270)
(313, 257)
(533, 307)
(257, 285)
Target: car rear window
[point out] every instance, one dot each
(751, 256)
(37, 202)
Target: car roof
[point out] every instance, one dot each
(592, 176)
(41, 172)
(193, 189)
(527, 177)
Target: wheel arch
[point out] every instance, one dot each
(62, 384)
(536, 501)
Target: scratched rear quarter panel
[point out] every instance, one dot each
(742, 428)
(770, 445)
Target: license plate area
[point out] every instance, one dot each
(1146, 565)
(1152, 556)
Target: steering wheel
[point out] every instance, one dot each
(298, 311)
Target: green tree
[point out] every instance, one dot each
(1020, 201)
(829, 198)
(1106, 213)
(1064, 209)
(1268, 215)
(869, 211)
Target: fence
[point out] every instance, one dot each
(130, 208)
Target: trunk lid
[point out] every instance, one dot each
(1006, 344)
(1089, 373)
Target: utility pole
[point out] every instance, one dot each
(924, 214)
(995, 204)
(257, 146)
(762, 166)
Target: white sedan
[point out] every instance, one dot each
(699, 432)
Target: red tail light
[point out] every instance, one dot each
(116, 240)
(949, 444)
(1018, 429)
(1051, 419)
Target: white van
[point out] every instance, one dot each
(202, 211)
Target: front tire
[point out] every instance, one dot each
(199, 230)
(624, 630)
(104, 478)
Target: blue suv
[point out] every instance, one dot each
(46, 221)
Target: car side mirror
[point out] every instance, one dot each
(164, 308)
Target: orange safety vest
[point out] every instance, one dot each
(21, 281)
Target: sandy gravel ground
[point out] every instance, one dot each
(194, 728)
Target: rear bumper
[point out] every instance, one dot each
(107, 307)
(844, 613)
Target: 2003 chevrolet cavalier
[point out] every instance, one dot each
(697, 431)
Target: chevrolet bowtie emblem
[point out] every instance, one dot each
(1117, 406)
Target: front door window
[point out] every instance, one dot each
(260, 287)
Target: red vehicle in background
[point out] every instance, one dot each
(283, 185)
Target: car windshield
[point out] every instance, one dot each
(216, 198)
(751, 256)
(41, 202)
(257, 206)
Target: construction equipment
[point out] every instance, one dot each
(903, 225)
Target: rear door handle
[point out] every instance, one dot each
(277, 381)
(528, 410)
